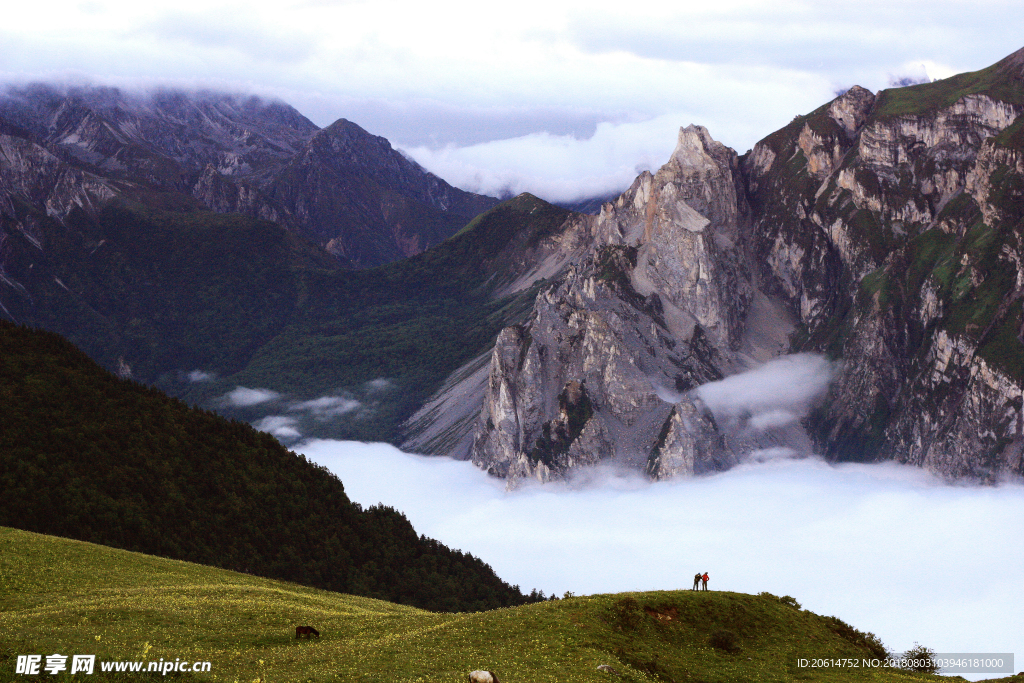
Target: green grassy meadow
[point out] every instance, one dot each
(69, 597)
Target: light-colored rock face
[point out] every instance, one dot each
(31, 172)
(650, 306)
(850, 110)
(686, 223)
(657, 297)
(224, 196)
(689, 444)
(972, 427)
(875, 181)
(958, 129)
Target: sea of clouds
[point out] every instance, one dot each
(887, 548)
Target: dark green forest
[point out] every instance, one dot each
(86, 455)
(165, 287)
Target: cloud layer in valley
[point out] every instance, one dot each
(560, 98)
(887, 548)
(290, 419)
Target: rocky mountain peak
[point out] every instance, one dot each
(850, 110)
(645, 310)
(883, 230)
(696, 150)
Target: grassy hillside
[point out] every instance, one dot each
(86, 455)
(1001, 81)
(76, 598)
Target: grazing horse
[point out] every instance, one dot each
(479, 676)
(307, 631)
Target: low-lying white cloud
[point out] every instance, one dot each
(200, 376)
(379, 384)
(889, 549)
(557, 167)
(775, 394)
(243, 397)
(291, 419)
(327, 407)
(283, 427)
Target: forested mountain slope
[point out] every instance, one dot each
(89, 456)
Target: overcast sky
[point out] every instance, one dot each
(557, 96)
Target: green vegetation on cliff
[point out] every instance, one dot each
(1002, 81)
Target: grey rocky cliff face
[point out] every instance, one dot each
(892, 236)
(859, 189)
(35, 175)
(650, 305)
(896, 240)
(32, 176)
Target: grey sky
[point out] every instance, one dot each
(555, 96)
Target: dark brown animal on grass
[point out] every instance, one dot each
(307, 631)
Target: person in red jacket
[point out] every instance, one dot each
(705, 580)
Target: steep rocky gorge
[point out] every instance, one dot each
(881, 230)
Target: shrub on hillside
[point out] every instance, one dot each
(863, 639)
(724, 640)
(920, 658)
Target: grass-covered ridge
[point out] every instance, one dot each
(1002, 81)
(76, 598)
(86, 455)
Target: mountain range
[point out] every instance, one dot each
(876, 240)
(340, 187)
(882, 231)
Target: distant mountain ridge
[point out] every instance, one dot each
(340, 187)
(881, 230)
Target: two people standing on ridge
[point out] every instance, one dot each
(697, 578)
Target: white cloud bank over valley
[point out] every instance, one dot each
(887, 548)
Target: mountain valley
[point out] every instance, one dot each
(877, 239)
